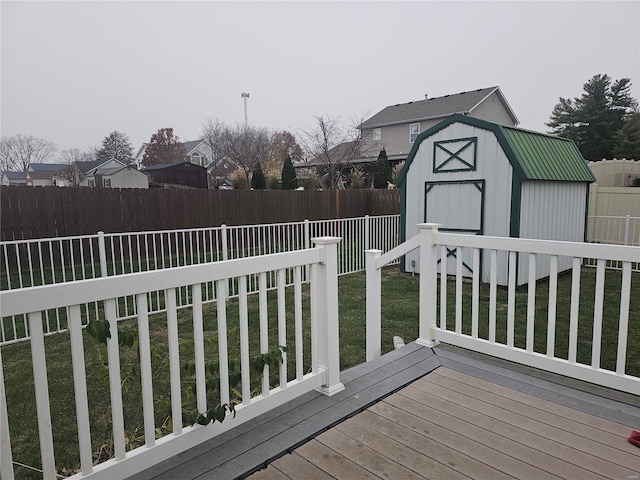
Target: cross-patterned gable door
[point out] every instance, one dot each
(459, 207)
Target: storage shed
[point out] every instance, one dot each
(480, 178)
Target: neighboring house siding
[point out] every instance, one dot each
(493, 110)
(394, 138)
(551, 211)
(129, 178)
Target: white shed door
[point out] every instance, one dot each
(458, 206)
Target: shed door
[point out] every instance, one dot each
(459, 207)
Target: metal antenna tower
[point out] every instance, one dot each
(245, 96)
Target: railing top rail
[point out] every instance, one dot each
(617, 217)
(548, 247)
(48, 239)
(45, 297)
(399, 251)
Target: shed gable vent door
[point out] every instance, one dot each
(459, 207)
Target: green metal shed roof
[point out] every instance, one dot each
(545, 157)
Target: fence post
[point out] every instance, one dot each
(307, 244)
(626, 230)
(325, 278)
(428, 283)
(374, 304)
(102, 253)
(307, 234)
(366, 232)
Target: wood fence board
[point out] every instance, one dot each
(41, 212)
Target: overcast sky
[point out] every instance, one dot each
(72, 72)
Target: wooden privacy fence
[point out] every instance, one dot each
(41, 212)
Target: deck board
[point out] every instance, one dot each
(430, 413)
(273, 434)
(450, 424)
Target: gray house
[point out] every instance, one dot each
(396, 127)
(481, 178)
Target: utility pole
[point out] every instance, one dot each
(245, 96)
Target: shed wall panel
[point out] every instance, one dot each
(551, 211)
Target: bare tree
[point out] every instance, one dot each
(18, 151)
(243, 146)
(70, 159)
(333, 148)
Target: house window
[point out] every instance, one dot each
(196, 159)
(414, 131)
(91, 182)
(107, 182)
(377, 133)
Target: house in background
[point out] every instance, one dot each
(397, 127)
(127, 176)
(177, 175)
(44, 174)
(14, 178)
(198, 153)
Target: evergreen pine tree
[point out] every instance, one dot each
(383, 170)
(289, 179)
(594, 119)
(258, 182)
(628, 139)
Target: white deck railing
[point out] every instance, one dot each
(438, 325)
(71, 297)
(26, 263)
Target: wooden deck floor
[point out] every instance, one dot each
(440, 413)
(450, 425)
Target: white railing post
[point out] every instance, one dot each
(374, 304)
(225, 248)
(428, 283)
(325, 277)
(102, 253)
(6, 460)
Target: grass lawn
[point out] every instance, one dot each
(399, 317)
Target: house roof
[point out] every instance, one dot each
(46, 167)
(84, 167)
(189, 147)
(192, 145)
(533, 155)
(110, 171)
(15, 176)
(433, 108)
(161, 166)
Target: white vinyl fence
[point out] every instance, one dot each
(461, 327)
(322, 372)
(28, 263)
